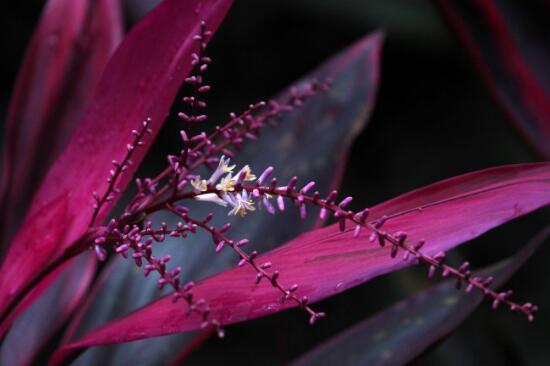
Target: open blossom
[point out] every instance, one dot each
(199, 184)
(223, 168)
(246, 173)
(227, 184)
(241, 202)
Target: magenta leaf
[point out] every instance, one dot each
(62, 67)
(321, 156)
(402, 332)
(140, 81)
(326, 261)
(508, 43)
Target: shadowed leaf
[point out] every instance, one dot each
(312, 141)
(32, 329)
(402, 332)
(325, 261)
(508, 43)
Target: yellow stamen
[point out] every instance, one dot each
(226, 184)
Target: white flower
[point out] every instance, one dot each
(241, 203)
(211, 197)
(199, 185)
(223, 168)
(248, 176)
(226, 184)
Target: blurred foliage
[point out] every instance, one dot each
(415, 21)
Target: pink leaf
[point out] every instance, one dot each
(325, 262)
(62, 67)
(140, 81)
(68, 53)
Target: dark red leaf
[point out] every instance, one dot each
(62, 67)
(325, 261)
(140, 81)
(508, 43)
(402, 332)
(64, 62)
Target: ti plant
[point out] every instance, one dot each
(85, 159)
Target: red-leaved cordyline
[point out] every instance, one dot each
(211, 177)
(242, 192)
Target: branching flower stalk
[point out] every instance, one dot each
(140, 242)
(242, 193)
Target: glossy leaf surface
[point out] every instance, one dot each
(400, 333)
(325, 261)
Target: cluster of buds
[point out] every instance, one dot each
(128, 237)
(136, 243)
(200, 63)
(118, 169)
(263, 270)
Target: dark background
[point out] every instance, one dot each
(434, 119)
